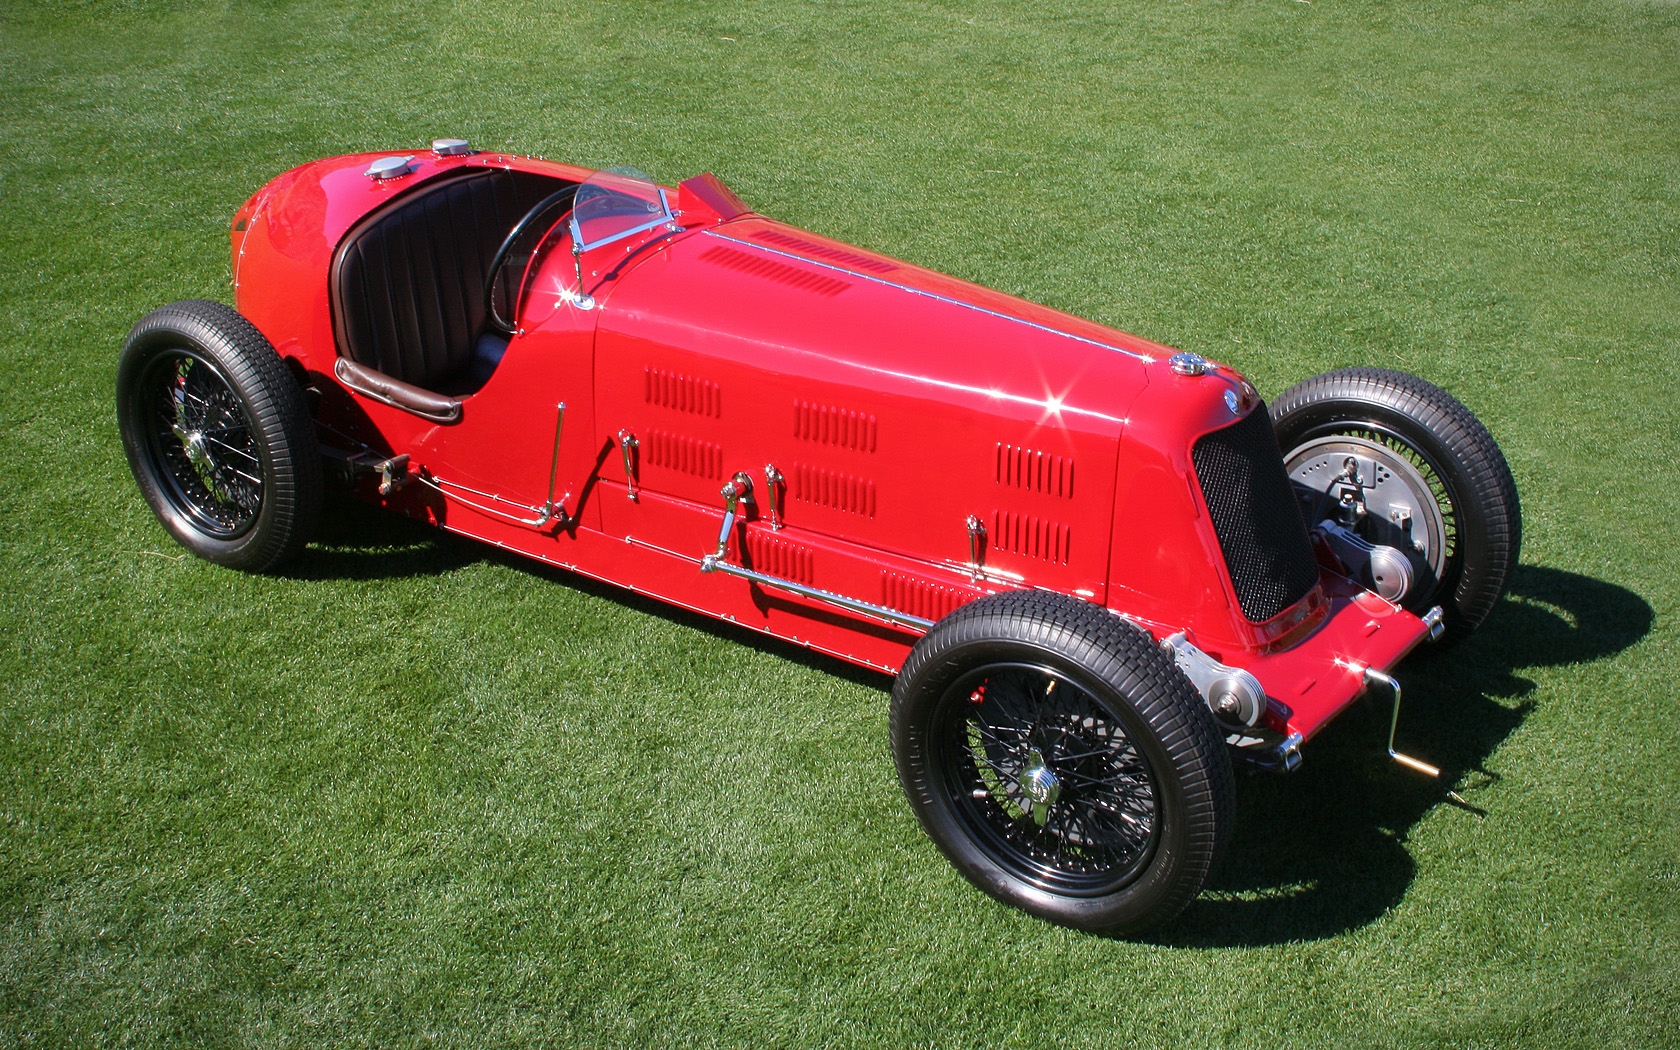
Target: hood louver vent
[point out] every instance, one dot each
(682, 393)
(1031, 537)
(777, 557)
(1034, 471)
(828, 488)
(771, 270)
(823, 251)
(930, 601)
(685, 455)
(827, 425)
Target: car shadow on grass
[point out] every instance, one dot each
(1317, 852)
(1323, 850)
(360, 541)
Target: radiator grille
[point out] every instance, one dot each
(1254, 515)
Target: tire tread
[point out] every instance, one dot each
(292, 495)
(1491, 498)
(1121, 654)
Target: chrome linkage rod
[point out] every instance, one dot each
(738, 491)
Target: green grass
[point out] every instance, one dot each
(414, 793)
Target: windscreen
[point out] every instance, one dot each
(616, 203)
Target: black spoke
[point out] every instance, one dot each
(203, 444)
(1049, 779)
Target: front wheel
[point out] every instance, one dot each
(1402, 463)
(1062, 763)
(218, 436)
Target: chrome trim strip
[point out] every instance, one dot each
(934, 296)
(544, 515)
(679, 555)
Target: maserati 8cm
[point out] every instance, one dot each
(1101, 570)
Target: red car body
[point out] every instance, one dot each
(894, 403)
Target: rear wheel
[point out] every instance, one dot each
(218, 436)
(1062, 762)
(1402, 463)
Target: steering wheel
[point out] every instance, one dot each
(500, 259)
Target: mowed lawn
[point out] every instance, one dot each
(412, 792)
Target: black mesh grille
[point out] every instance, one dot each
(1260, 530)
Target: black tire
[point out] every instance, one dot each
(1430, 435)
(1103, 804)
(218, 435)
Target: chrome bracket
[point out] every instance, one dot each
(627, 446)
(736, 491)
(579, 298)
(976, 545)
(393, 474)
(490, 503)
(1234, 695)
(773, 485)
(1274, 755)
(1436, 620)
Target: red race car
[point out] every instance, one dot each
(1101, 570)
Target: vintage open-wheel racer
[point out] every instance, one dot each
(1097, 577)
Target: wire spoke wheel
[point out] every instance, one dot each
(202, 443)
(1047, 779)
(1402, 463)
(218, 436)
(1062, 762)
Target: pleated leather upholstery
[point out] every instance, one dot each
(408, 283)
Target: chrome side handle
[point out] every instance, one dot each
(627, 445)
(774, 483)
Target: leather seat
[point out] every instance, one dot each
(407, 284)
